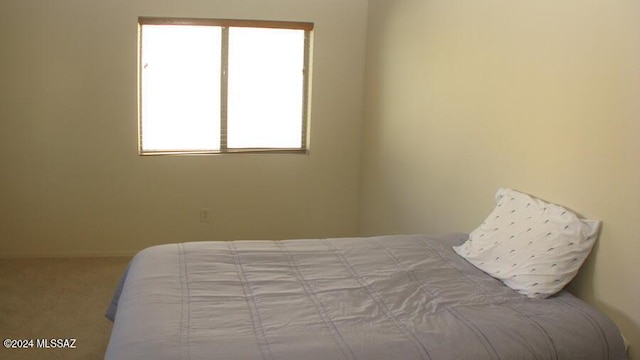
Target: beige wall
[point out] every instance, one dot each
(467, 96)
(71, 181)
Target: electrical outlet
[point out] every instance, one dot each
(205, 215)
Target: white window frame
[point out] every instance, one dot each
(225, 24)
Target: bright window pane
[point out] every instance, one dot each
(265, 90)
(180, 88)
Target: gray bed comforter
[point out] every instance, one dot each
(392, 297)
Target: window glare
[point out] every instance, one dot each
(180, 97)
(265, 88)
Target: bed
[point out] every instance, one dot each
(495, 293)
(388, 297)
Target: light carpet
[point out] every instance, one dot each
(57, 298)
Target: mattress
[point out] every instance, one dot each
(389, 297)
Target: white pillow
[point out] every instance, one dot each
(534, 247)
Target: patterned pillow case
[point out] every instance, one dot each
(534, 247)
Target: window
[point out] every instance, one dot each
(222, 86)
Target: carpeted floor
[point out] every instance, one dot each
(57, 298)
